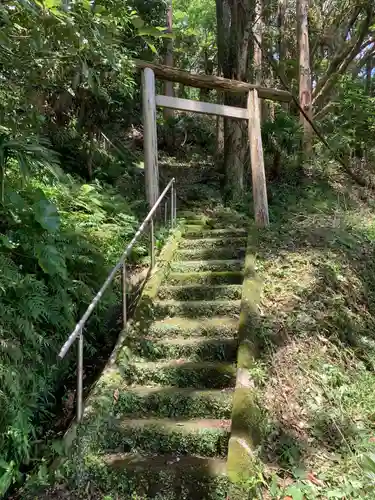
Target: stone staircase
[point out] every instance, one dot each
(168, 437)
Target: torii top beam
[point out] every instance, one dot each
(211, 82)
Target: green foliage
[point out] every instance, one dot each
(195, 39)
(352, 124)
(281, 141)
(57, 241)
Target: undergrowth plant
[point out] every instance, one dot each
(58, 240)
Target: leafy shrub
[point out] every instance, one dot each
(58, 239)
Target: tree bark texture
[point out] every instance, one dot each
(258, 32)
(235, 20)
(168, 85)
(304, 71)
(281, 44)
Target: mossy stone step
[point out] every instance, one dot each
(206, 278)
(168, 477)
(181, 373)
(165, 401)
(200, 292)
(196, 308)
(210, 253)
(212, 243)
(192, 216)
(207, 265)
(198, 232)
(211, 224)
(193, 348)
(182, 326)
(208, 437)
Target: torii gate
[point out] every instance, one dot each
(251, 113)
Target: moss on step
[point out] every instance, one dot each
(172, 402)
(206, 278)
(200, 292)
(182, 326)
(190, 216)
(193, 348)
(193, 232)
(151, 288)
(196, 308)
(212, 243)
(207, 437)
(207, 265)
(163, 477)
(181, 373)
(210, 253)
(246, 414)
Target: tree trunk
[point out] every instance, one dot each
(90, 154)
(258, 32)
(234, 33)
(222, 20)
(234, 156)
(304, 72)
(168, 86)
(281, 44)
(219, 153)
(257, 61)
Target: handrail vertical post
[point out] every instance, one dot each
(80, 377)
(152, 243)
(172, 205)
(124, 305)
(175, 203)
(166, 213)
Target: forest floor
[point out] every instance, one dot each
(317, 331)
(316, 262)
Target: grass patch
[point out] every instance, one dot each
(316, 330)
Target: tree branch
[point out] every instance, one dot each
(342, 60)
(363, 60)
(322, 113)
(359, 180)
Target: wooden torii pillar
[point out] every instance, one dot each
(150, 140)
(251, 113)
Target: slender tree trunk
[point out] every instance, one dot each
(258, 32)
(281, 44)
(257, 63)
(208, 70)
(90, 154)
(304, 72)
(168, 86)
(219, 154)
(220, 43)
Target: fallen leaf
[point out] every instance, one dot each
(116, 395)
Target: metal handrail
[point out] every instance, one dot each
(121, 264)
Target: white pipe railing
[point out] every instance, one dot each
(121, 264)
